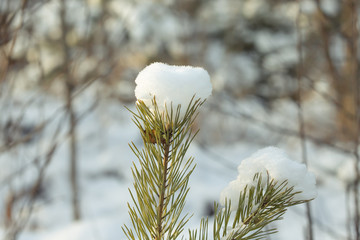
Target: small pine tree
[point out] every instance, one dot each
(161, 184)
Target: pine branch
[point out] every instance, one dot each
(161, 178)
(163, 186)
(260, 203)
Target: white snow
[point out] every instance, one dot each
(274, 162)
(172, 85)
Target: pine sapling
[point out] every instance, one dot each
(169, 98)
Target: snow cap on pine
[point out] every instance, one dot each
(275, 163)
(172, 86)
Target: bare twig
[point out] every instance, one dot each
(70, 86)
(325, 37)
(217, 157)
(310, 230)
(16, 226)
(354, 52)
(330, 99)
(276, 128)
(348, 211)
(331, 231)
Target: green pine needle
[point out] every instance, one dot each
(161, 185)
(161, 178)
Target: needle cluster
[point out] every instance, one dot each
(259, 205)
(161, 178)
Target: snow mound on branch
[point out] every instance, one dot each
(274, 162)
(172, 85)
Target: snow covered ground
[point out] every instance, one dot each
(105, 176)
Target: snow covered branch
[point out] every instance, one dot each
(268, 181)
(165, 114)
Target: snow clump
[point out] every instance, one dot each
(272, 162)
(172, 86)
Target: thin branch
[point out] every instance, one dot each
(353, 45)
(16, 227)
(275, 128)
(331, 99)
(163, 186)
(330, 230)
(70, 86)
(219, 158)
(325, 37)
(310, 233)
